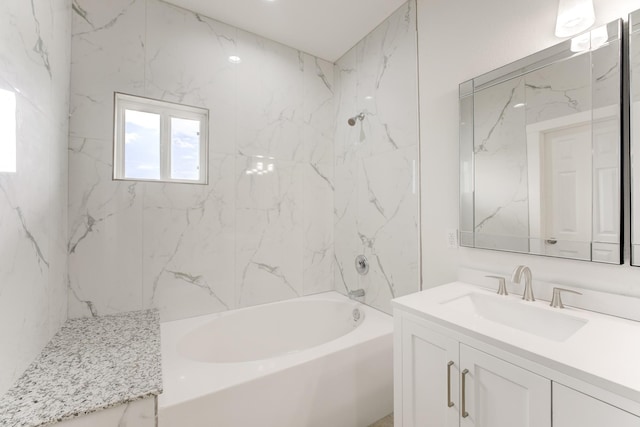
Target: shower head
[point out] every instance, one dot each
(352, 120)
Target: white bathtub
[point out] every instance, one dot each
(297, 363)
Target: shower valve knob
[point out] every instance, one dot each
(362, 265)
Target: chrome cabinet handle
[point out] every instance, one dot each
(449, 402)
(465, 414)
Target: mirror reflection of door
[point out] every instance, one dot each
(540, 157)
(566, 192)
(573, 166)
(606, 185)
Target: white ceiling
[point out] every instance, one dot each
(324, 28)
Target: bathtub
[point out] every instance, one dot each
(321, 360)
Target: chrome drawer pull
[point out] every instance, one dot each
(465, 414)
(449, 402)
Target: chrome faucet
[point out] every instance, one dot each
(517, 276)
(358, 293)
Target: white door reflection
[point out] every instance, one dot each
(571, 174)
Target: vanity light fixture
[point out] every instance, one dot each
(591, 40)
(599, 36)
(574, 16)
(581, 43)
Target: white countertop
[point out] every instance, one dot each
(605, 352)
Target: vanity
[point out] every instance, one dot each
(466, 356)
(541, 160)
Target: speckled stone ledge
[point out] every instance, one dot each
(89, 365)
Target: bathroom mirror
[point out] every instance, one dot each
(540, 152)
(634, 103)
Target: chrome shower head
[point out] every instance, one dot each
(353, 120)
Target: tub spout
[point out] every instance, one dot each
(358, 293)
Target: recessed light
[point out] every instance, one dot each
(235, 59)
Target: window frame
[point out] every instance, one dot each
(166, 111)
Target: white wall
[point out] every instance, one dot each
(458, 40)
(194, 249)
(376, 162)
(34, 65)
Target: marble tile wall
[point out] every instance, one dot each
(501, 207)
(34, 67)
(138, 413)
(376, 162)
(505, 213)
(186, 249)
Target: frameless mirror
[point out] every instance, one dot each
(634, 103)
(540, 152)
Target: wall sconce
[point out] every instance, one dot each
(574, 16)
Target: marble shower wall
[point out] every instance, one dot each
(34, 67)
(376, 162)
(193, 249)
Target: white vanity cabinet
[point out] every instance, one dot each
(500, 394)
(574, 409)
(438, 372)
(435, 369)
(426, 372)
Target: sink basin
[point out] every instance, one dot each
(519, 315)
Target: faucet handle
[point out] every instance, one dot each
(556, 300)
(502, 286)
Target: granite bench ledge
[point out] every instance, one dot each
(91, 364)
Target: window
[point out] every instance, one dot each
(159, 141)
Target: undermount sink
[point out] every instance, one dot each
(519, 315)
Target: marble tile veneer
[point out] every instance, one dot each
(195, 249)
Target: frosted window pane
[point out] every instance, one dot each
(7, 131)
(185, 149)
(142, 145)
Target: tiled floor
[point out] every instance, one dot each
(385, 422)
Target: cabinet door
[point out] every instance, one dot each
(574, 409)
(499, 394)
(427, 376)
